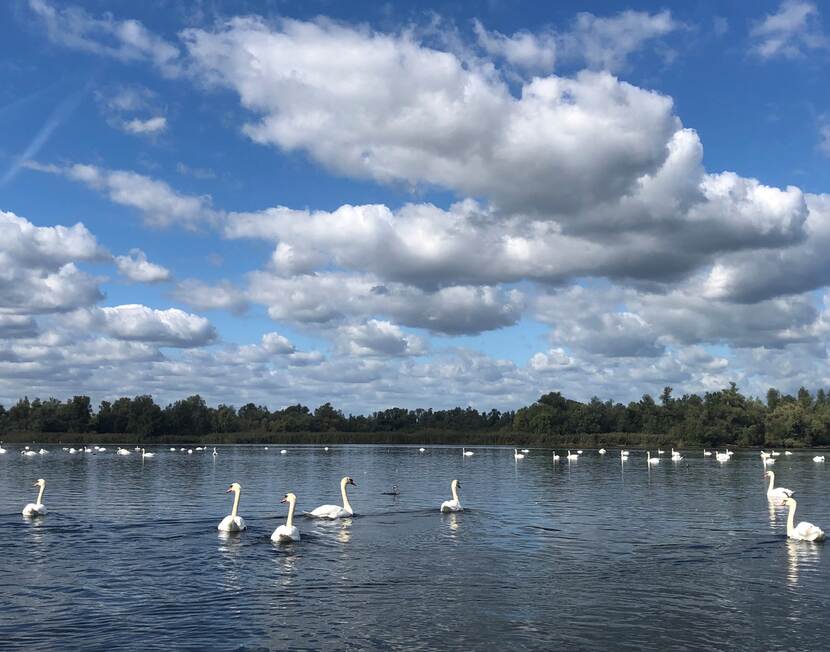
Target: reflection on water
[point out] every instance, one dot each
(616, 550)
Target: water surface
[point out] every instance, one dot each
(593, 554)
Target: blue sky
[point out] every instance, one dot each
(413, 205)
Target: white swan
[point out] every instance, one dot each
(42, 451)
(122, 451)
(660, 451)
(776, 493)
(601, 451)
(143, 454)
(233, 522)
(650, 459)
(579, 452)
(623, 455)
(288, 532)
(467, 453)
(336, 511)
(729, 452)
(572, 456)
(172, 450)
(36, 508)
(420, 450)
(722, 457)
(768, 461)
(818, 458)
(788, 452)
(283, 452)
(215, 453)
(764, 455)
(28, 453)
(555, 457)
(517, 454)
(706, 453)
(804, 531)
(676, 456)
(453, 505)
(3, 450)
(775, 454)
(525, 450)
(72, 451)
(190, 451)
(326, 448)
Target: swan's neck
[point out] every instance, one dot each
(771, 481)
(235, 509)
(455, 493)
(289, 522)
(791, 519)
(40, 494)
(346, 505)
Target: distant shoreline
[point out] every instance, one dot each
(429, 438)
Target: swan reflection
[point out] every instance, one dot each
(801, 555)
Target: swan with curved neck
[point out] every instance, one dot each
(517, 454)
(233, 522)
(776, 493)
(650, 459)
(804, 531)
(453, 505)
(288, 532)
(336, 511)
(36, 508)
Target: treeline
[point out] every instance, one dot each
(714, 419)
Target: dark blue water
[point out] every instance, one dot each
(588, 555)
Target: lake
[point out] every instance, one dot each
(587, 555)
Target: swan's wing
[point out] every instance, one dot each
(325, 511)
(809, 531)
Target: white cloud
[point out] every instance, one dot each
(533, 52)
(203, 296)
(379, 338)
(133, 322)
(790, 32)
(125, 40)
(149, 126)
(137, 268)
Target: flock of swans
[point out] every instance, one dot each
(289, 532)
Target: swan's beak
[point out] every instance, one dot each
(352, 482)
(230, 489)
(457, 484)
(284, 499)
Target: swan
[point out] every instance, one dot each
(517, 454)
(555, 457)
(602, 451)
(775, 454)
(143, 454)
(579, 452)
(29, 453)
(190, 451)
(122, 451)
(804, 531)
(650, 459)
(199, 448)
(326, 448)
(215, 453)
(768, 460)
(453, 505)
(729, 452)
(181, 450)
(288, 532)
(233, 522)
(572, 456)
(722, 457)
(707, 453)
(675, 455)
(137, 448)
(661, 452)
(283, 452)
(42, 451)
(623, 455)
(72, 451)
(172, 450)
(818, 458)
(37, 508)
(3, 450)
(764, 455)
(336, 511)
(788, 452)
(776, 493)
(467, 453)
(420, 450)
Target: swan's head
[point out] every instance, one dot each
(789, 502)
(40, 483)
(234, 488)
(348, 480)
(289, 498)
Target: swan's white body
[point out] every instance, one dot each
(602, 451)
(233, 522)
(288, 532)
(555, 457)
(29, 453)
(804, 531)
(420, 450)
(706, 453)
(776, 494)
(326, 448)
(517, 454)
(3, 450)
(764, 455)
(72, 451)
(122, 451)
(453, 505)
(650, 459)
(775, 454)
(172, 450)
(336, 511)
(42, 451)
(676, 456)
(143, 454)
(467, 453)
(818, 458)
(788, 452)
(660, 452)
(573, 456)
(283, 452)
(525, 450)
(623, 455)
(36, 508)
(769, 461)
(722, 457)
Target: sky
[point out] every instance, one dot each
(412, 204)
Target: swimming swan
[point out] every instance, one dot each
(453, 505)
(722, 457)
(776, 493)
(818, 458)
(288, 532)
(601, 451)
(572, 456)
(467, 453)
(233, 522)
(143, 454)
(650, 459)
(517, 454)
(336, 511)
(804, 531)
(37, 508)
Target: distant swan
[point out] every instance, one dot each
(660, 451)
(467, 453)
(555, 457)
(283, 452)
(676, 456)
(764, 455)
(579, 452)
(144, 454)
(36, 508)
(122, 451)
(650, 459)
(420, 450)
(776, 493)
(722, 457)
(336, 511)
(602, 451)
(804, 531)
(453, 505)
(3, 450)
(215, 453)
(527, 450)
(818, 458)
(517, 454)
(288, 532)
(572, 456)
(788, 452)
(233, 522)
(706, 453)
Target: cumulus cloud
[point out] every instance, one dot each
(533, 52)
(138, 126)
(137, 268)
(125, 40)
(204, 296)
(379, 338)
(158, 203)
(788, 33)
(133, 322)
(38, 273)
